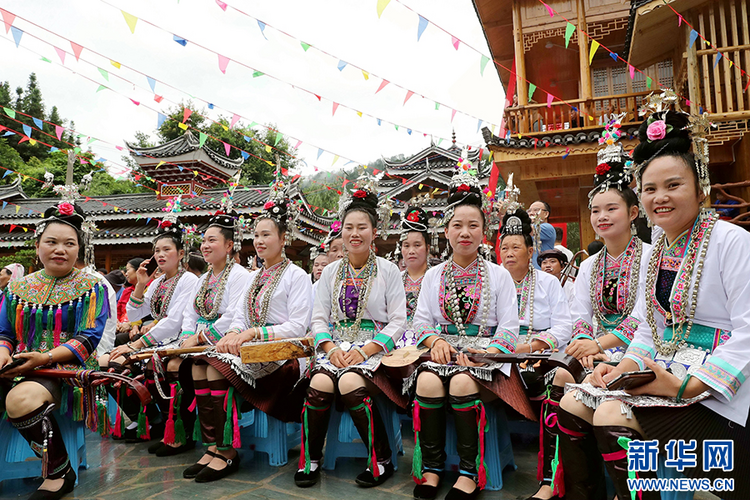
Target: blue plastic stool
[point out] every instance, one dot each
(270, 436)
(15, 451)
(498, 450)
(670, 473)
(342, 434)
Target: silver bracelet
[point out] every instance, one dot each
(333, 349)
(601, 349)
(362, 352)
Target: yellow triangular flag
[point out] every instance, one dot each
(492, 153)
(335, 160)
(117, 209)
(195, 173)
(32, 142)
(183, 126)
(115, 64)
(382, 4)
(131, 20)
(17, 208)
(159, 165)
(268, 148)
(25, 230)
(225, 127)
(593, 49)
(366, 74)
(359, 113)
(420, 186)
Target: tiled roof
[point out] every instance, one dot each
(12, 190)
(562, 139)
(186, 143)
(634, 6)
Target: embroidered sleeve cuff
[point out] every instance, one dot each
(148, 340)
(547, 338)
(212, 334)
(720, 376)
(7, 345)
(638, 352)
(626, 329)
(583, 330)
(422, 331)
(322, 337)
(77, 348)
(135, 302)
(384, 341)
(504, 340)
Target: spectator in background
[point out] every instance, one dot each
(9, 273)
(195, 263)
(116, 278)
(559, 245)
(594, 247)
(553, 262)
(576, 120)
(320, 262)
(544, 232)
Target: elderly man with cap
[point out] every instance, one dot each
(553, 262)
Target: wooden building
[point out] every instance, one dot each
(551, 148)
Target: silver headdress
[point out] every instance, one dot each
(366, 194)
(226, 218)
(281, 208)
(614, 167)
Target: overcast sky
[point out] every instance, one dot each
(349, 30)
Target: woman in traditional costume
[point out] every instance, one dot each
(694, 329)
(414, 248)
(359, 314)
(54, 317)
(165, 300)
(11, 272)
(273, 305)
(606, 291)
(466, 302)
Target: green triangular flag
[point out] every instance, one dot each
(305, 46)
(201, 139)
(45, 60)
(77, 149)
(10, 112)
(649, 81)
(532, 89)
(256, 74)
(101, 87)
(253, 124)
(104, 73)
(569, 30)
(396, 127)
(279, 135)
(91, 140)
(483, 64)
(437, 106)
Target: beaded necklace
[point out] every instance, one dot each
(160, 302)
(525, 288)
(599, 269)
(368, 274)
(209, 282)
(452, 296)
(264, 285)
(699, 239)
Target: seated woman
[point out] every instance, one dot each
(166, 300)
(359, 314)
(273, 304)
(466, 302)
(415, 248)
(606, 291)
(694, 332)
(54, 317)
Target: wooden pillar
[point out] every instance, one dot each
(108, 260)
(586, 231)
(693, 70)
(521, 88)
(583, 53)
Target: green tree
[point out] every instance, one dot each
(25, 256)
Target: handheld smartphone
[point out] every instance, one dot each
(151, 266)
(630, 380)
(16, 362)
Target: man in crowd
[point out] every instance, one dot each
(553, 262)
(544, 232)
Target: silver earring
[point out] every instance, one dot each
(597, 236)
(633, 230)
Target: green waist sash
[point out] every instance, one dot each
(470, 329)
(702, 337)
(524, 330)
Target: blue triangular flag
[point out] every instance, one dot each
(245, 155)
(53, 149)
(31, 211)
(479, 125)
(9, 132)
(320, 152)
(180, 167)
(210, 106)
(718, 58)
(26, 130)
(341, 65)
(16, 35)
(422, 26)
(39, 123)
(262, 27)
(379, 121)
(161, 119)
(148, 220)
(247, 139)
(151, 83)
(5, 204)
(7, 172)
(179, 40)
(693, 37)
(408, 131)
(613, 55)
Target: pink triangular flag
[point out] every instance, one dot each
(632, 71)
(186, 114)
(455, 41)
(297, 145)
(235, 119)
(8, 19)
(549, 9)
(382, 85)
(453, 114)
(58, 132)
(76, 49)
(222, 5)
(223, 61)
(226, 147)
(137, 103)
(60, 54)
(335, 107)
(409, 93)
(550, 98)
(679, 20)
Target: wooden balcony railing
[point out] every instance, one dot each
(574, 114)
(736, 213)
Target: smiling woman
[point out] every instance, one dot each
(53, 317)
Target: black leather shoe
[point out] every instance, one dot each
(155, 447)
(306, 480)
(367, 480)
(427, 492)
(168, 451)
(456, 494)
(194, 469)
(68, 485)
(208, 474)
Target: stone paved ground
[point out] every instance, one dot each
(120, 471)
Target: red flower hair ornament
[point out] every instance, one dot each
(413, 217)
(360, 193)
(603, 168)
(66, 208)
(463, 188)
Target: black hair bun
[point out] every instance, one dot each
(613, 173)
(675, 140)
(170, 228)
(415, 219)
(363, 198)
(511, 226)
(465, 194)
(68, 213)
(224, 220)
